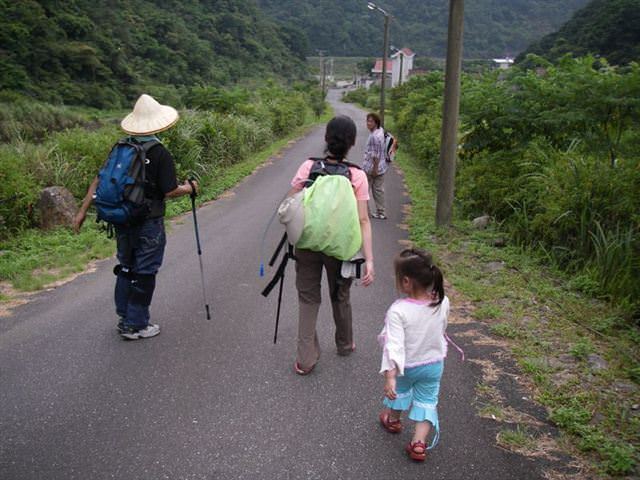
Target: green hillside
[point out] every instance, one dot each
(609, 28)
(348, 28)
(103, 53)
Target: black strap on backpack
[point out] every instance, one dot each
(143, 149)
(322, 166)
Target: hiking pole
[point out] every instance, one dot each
(195, 226)
(279, 276)
(275, 333)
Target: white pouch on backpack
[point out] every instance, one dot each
(291, 215)
(352, 268)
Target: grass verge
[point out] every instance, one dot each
(34, 259)
(580, 355)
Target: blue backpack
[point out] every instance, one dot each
(119, 197)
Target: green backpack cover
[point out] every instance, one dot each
(331, 223)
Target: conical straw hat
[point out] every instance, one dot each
(149, 117)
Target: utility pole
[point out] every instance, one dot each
(321, 53)
(387, 17)
(401, 66)
(384, 68)
(450, 111)
(324, 79)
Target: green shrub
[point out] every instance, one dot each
(417, 110)
(359, 96)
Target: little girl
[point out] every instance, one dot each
(414, 346)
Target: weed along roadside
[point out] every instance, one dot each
(575, 355)
(221, 150)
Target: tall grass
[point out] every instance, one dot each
(616, 261)
(26, 120)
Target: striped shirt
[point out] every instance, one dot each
(375, 150)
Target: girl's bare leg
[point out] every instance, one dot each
(421, 432)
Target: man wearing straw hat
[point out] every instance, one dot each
(140, 247)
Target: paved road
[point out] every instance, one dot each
(216, 399)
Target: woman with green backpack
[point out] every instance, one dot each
(336, 226)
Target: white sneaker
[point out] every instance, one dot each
(149, 331)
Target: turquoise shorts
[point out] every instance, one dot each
(418, 389)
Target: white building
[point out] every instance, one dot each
(503, 63)
(399, 67)
(402, 65)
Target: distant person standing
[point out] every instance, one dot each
(375, 164)
(141, 240)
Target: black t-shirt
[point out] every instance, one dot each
(161, 178)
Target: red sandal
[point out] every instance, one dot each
(417, 451)
(391, 426)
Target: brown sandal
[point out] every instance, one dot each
(348, 351)
(417, 451)
(302, 371)
(391, 426)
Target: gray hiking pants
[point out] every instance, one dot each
(377, 190)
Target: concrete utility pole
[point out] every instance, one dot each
(373, 6)
(322, 70)
(450, 111)
(324, 79)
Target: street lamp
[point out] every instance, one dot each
(373, 6)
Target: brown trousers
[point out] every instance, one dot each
(308, 282)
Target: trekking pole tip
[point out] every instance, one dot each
(208, 314)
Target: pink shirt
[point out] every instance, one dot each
(358, 180)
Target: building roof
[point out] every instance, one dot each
(503, 60)
(406, 52)
(377, 68)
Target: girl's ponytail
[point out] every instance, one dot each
(418, 265)
(438, 285)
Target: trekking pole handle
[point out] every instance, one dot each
(193, 193)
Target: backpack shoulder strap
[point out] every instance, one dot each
(146, 146)
(317, 169)
(349, 164)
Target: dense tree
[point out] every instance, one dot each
(346, 27)
(610, 28)
(102, 53)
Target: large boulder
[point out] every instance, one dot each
(481, 222)
(56, 207)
